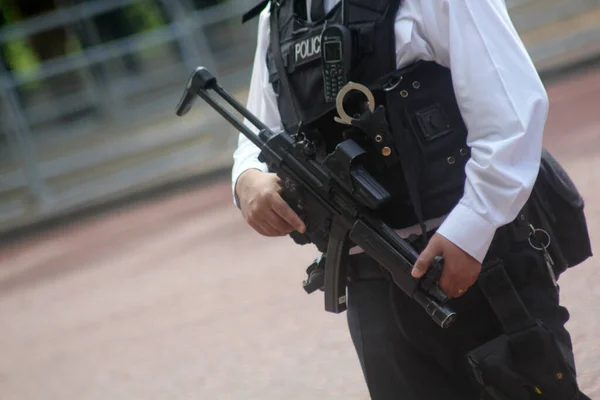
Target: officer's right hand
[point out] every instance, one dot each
(262, 205)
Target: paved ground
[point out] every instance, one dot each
(178, 299)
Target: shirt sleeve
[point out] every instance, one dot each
(504, 105)
(261, 102)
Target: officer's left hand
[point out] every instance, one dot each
(460, 269)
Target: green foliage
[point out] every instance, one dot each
(18, 55)
(144, 16)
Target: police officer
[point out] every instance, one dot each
(463, 64)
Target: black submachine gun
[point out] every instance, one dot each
(336, 199)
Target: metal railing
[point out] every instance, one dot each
(81, 128)
(53, 165)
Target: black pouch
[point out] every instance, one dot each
(522, 366)
(527, 361)
(559, 208)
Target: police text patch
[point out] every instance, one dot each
(305, 50)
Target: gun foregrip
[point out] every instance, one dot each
(385, 254)
(430, 282)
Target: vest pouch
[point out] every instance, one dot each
(559, 208)
(526, 361)
(525, 365)
(301, 55)
(430, 134)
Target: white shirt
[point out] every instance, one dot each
(500, 95)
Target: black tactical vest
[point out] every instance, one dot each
(428, 131)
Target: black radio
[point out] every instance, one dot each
(336, 48)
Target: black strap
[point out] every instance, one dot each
(410, 165)
(254, 11)
(536, 207)
(317, 10)
(412, 177)
(278, 57)
(503, 298)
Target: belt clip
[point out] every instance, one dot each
(392, 83)
(533, 231)
(544, 249)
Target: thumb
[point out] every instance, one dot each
(423, 262)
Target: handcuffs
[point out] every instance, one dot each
(375, 125)
(344, 118)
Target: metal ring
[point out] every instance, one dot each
(532, 234)
(393, 86)
(344, 118)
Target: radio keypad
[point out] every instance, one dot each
(334, 80)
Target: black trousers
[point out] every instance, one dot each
(405, 356)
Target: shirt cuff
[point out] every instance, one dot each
(469, 231)
(248, 165)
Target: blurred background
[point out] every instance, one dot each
(125, 271)
(88, 96)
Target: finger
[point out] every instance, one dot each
(266, 221)
(423, 262)
(447, 282)
(450, 286)
(259, 228)
(261, 225)
(278, 225)
(285, 211)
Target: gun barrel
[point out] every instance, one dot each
(441, 315)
